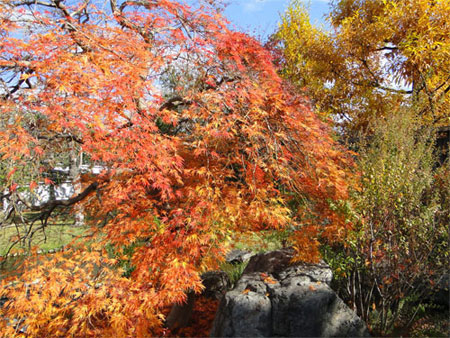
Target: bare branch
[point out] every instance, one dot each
(386, 48)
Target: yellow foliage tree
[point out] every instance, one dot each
(377, 56)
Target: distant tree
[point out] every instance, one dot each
(224, 152)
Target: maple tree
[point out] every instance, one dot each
(377, 57)
(223, 149)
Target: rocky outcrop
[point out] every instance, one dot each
(276, 299)
(238, 256)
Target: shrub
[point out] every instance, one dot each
(400, 209)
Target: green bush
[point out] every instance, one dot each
(400, 211)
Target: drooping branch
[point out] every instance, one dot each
(51, 205)
(61, 136)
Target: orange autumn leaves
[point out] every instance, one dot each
(186, 162)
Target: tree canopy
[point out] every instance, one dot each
(198, 138)
(378, 56)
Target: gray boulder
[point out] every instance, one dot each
(276, 299)
(238, 256)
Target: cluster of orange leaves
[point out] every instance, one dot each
(229, 158)
(203, 315)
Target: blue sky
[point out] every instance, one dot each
(261, 17)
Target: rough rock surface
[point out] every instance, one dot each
(216, 283)
(238, 256)
(276, 299)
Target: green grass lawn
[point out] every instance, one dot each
(55, 236)
(259, 241)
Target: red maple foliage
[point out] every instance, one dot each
(198, 136)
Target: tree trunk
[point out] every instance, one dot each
(76, 159)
